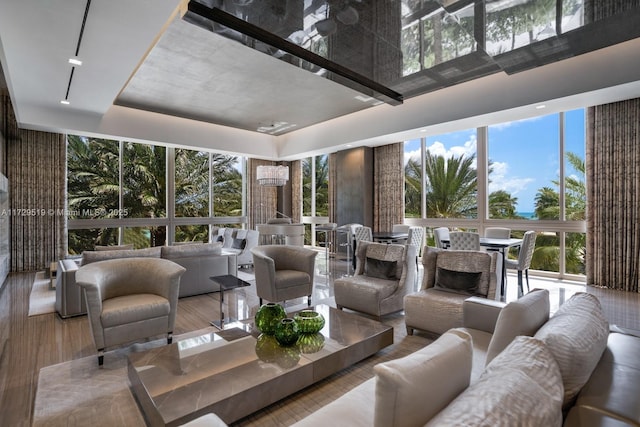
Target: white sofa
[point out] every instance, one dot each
(527, 380)
(239, 242)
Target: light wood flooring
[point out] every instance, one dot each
(30, 343)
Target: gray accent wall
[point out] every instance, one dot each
(355, 186)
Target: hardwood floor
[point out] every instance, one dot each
(30, 343)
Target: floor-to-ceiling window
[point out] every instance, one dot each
(315, 195)
(148, 195)
(524, 175)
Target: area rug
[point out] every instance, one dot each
(42, 300)
(79, 393)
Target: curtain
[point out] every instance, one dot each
(295, 174)
(37, 194)
(388, 198)
(613, 195)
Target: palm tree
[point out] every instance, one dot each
(502, 205)
(451, 186)
(412, 188)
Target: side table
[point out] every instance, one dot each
(226, 282)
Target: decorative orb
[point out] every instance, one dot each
(310, 343)
(287, 332)
(309, 321)
(268, 316)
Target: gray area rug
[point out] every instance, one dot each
(42, 300)
(79, 393)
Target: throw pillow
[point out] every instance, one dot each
(239, 244)
(412, 389)
(465, 282)
(577, 336)
(521, 387)
(380, 268)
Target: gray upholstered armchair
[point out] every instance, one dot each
(449, 278)
(283, 272)
(385, 273)
(129, 299)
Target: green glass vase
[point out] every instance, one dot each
(268, 316)
(287, 332)
(309, 321)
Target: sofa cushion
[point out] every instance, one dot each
(523, 316)
(94, 256)
(522, 386)
(465, 282)
(380, 268)
(387, 253)
(411, 390)
(184, 251)
(238, 244)
(576, 336)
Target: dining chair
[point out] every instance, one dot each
(440, 234)
(497, 232)
(464, 241)
(362, 234)
(523, 262)
(416, 238)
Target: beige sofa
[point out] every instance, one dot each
(239, 242)
(491, 373)
(200, 260)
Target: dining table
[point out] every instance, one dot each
(390, 236)
(502, 246)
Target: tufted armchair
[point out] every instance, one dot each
(283, 272)
(449, 278)
(385, 273)
(129, 299)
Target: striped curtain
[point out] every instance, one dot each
(37, 194)
(613, 195)
(388, 198)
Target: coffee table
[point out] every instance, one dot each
(234, 373)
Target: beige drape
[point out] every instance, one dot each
(37, 189)
(613, 195)
(388, 198)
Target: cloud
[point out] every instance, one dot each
(501, 181)
(504, 125)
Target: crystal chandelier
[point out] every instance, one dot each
(272, 176)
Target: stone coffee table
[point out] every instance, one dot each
(234, 373)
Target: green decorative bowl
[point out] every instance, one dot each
(309, 321)
(268, 316)
(287, 332)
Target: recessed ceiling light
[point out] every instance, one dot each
(540, 107)
(423, 130)
(65, 102)
(348, 145)
(75, 61)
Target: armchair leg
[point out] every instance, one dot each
(409, 330)
(260, 301)
(100, 356)
(169, 337)
(309, 301)
(338, 306)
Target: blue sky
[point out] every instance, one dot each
(525, 154)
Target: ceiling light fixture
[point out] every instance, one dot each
(272, 176)
(540, 107)
(75, 61)
(65, 102)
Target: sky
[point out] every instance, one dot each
(524, 154)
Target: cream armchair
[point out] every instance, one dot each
(129, 299)
(385, 273)
(450, 277)
(283, 272)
